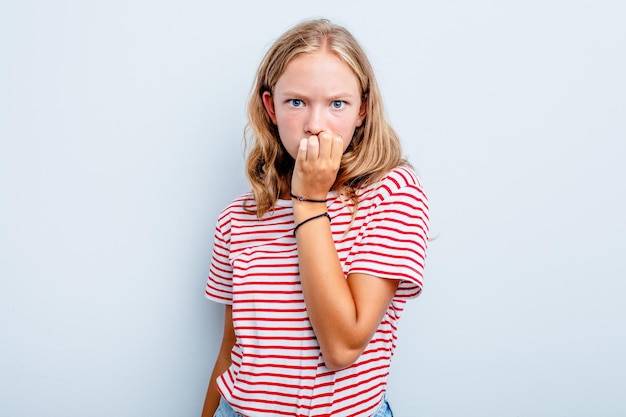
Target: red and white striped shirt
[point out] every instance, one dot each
(277, 367)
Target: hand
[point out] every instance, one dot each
(317, 164)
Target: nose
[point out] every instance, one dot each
(315, 121)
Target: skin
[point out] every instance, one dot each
(222, 363)
(317, 94)
(316, 105)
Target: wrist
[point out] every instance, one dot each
(309, 220)
(304, 199)
(304, 210)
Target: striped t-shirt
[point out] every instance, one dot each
(277, 367)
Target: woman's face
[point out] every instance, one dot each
(317, 92)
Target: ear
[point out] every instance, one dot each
(362, 111)
(268, 103)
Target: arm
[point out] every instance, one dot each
(222, 363)
(344, 312)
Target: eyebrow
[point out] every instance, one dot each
(336, 96)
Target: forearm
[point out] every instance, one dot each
(222, 363)
(212, 398)
(329, 300)
(344, 311)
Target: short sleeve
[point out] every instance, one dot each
(392, 243)
(219, 286)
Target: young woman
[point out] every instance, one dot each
(315, 264)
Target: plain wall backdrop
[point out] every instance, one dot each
(121, 140)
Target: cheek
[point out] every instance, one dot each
(347, 135)
(289, 132)
(289, 141)
(346, 141)
(348, 127)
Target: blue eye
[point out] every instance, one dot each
(338, 104)
(295, 102)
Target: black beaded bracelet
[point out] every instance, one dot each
(309, 219)
(308, 200)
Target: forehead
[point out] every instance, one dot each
(318, 70)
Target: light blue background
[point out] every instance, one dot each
(120, 142)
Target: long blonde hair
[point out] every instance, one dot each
(374, 149)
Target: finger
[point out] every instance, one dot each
(337, 149)
(302, 149)
(313, 148)
(326, 145)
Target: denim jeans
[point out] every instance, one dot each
(383, 410)
(225, 410)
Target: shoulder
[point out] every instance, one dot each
(240, 207)
(402, 179)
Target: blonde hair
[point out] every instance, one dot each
(374, 149)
